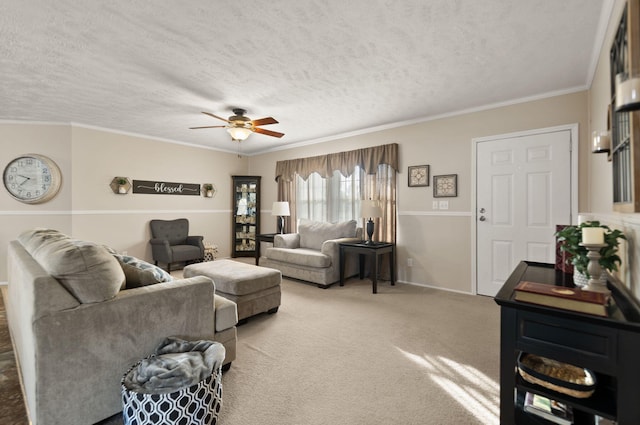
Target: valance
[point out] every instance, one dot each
(367, 158)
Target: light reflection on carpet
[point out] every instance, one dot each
(469, 387)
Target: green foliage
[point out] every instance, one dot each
(121, 181)
(571, 236)
(207, 186)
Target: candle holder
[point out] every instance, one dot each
(596, 284)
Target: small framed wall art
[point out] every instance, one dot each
(418, 175)
(445, 186)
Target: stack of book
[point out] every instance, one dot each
(551, 410)
(574, 299)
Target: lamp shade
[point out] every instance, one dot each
(370, 208)
(239, 133)
(280, 209)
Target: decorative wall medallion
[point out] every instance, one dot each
(165, 188)
(445, 186)
(418, 175)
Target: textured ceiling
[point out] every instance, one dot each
(322, 68)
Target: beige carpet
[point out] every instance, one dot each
(407, 355)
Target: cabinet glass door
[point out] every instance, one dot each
(246, 215)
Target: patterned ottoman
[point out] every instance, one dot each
(254, 289)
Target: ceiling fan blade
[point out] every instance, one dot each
(208, 126)
(268, 132)
(215, 116)
(265, 121)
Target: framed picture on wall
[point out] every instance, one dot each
(418, 175)
(445, 186)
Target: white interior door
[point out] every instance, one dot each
(523, 189)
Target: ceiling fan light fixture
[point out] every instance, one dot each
(239, 133)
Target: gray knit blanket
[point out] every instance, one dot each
(176, 364)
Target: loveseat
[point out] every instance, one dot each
(313, 254)
(77, 324)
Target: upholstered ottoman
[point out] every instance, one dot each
(254, 289)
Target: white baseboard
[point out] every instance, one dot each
(425, 285)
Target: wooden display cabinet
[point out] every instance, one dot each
(245, 215)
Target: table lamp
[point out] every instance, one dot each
(370, 209)
(280, 209)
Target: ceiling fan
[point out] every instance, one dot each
(240, 126)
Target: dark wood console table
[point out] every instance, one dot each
(265, 237)
(608, 346)
(374, 250)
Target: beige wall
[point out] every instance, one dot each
(439, 242)
(86, 208)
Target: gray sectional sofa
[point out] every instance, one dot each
(313, 254)
(78, 325)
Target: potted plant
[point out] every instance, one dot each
(570, 238)
(208, 190)
(122, 184)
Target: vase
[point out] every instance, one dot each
(122, 189)
(581, 280)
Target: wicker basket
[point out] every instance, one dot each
(561, 377)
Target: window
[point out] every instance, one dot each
(326, 195)
(331, 200)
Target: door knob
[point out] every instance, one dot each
(482, 210)
(482, 218)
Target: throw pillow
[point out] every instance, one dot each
(314, 233)
(85, 269)
(140, 273)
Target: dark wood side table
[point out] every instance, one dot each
(265, 237)
(374, 251)
(608, 346)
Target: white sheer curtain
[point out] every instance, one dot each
(332, 200)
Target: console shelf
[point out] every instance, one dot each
(608, 346)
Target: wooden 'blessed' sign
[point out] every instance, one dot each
(165, 188)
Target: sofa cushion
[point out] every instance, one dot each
(300, 256)
(226, 313)
(314, 233)
(140, 273)
(87, 270)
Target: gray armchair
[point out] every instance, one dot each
(171, 242)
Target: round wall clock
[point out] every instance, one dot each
(32, 178)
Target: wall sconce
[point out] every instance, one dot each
(627, 93)
(120, 185)
(600, 142)
(281, 210)
(208, 190)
